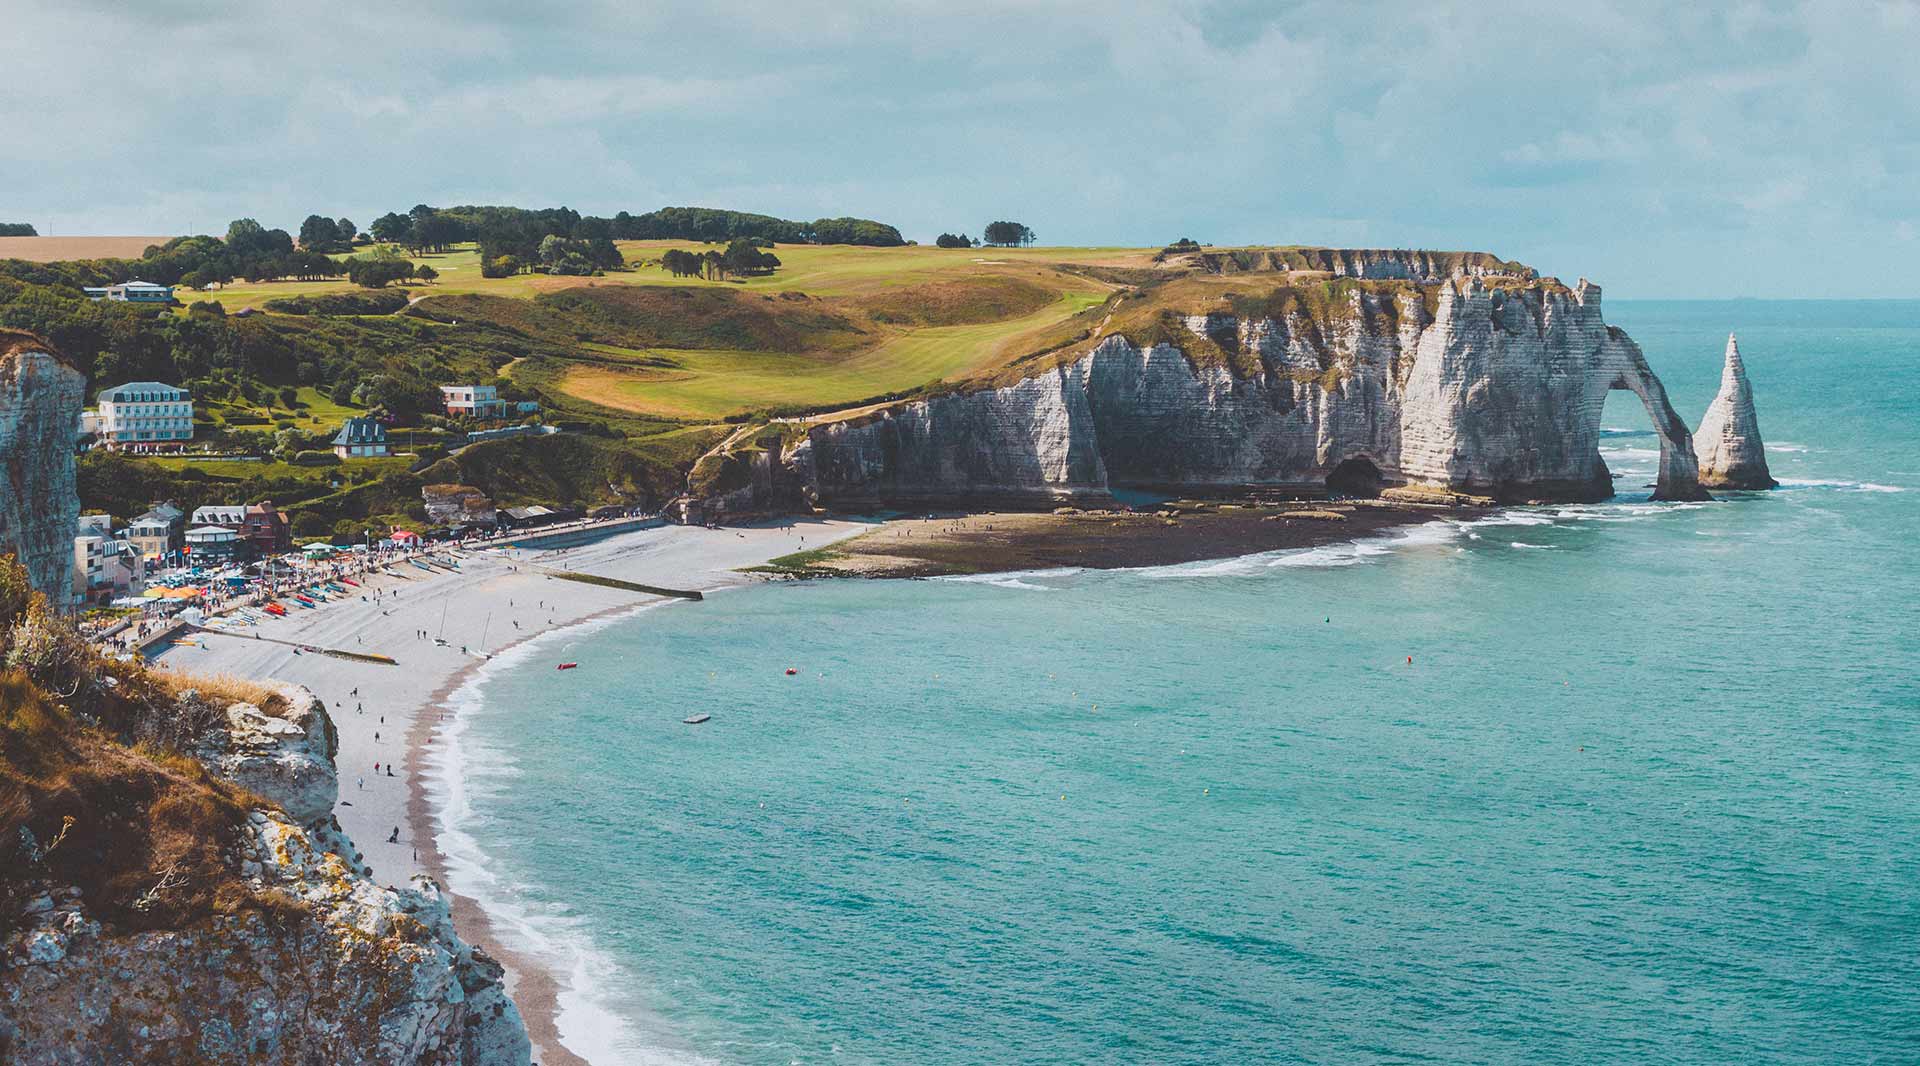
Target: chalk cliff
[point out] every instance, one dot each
(1732, 455)
(339, 970)
(1494, 390)
(40, 399)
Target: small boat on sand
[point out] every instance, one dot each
(696, 719)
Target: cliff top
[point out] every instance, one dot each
(15, 341)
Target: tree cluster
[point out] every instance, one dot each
(322, 234)
(713, 226)
(1008, 234)
(741, 258)
(954, 240)
(18, 229)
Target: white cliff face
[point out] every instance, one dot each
(1732, 455)
(343, 971)
(40, 400)
(1031, 441)
(1495, 392)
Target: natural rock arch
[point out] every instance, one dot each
(1679, 477)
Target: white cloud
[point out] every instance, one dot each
(1584, 139)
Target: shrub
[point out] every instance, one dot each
(378, 302)
(315, 458)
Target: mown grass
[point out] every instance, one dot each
(693, 384)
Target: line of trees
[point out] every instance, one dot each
(18, 229)
(741, 258)
(953, 240)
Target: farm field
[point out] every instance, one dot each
(56, 249)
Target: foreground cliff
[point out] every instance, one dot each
(1461, 386)
(40, 399)
(174, 888)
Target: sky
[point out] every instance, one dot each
(1663, 150)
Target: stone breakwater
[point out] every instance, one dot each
(40, 399)
(1488, 391)
(343, 971)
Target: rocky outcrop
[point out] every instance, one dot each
(40, 399)
(1483, 390)
(337, 970)
(1732, 455)
(285, 753)
(458, 505)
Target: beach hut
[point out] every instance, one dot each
(319, 547)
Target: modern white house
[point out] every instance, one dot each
(141, 415)
(472, 401)
(133, 292)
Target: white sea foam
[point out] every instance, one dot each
(1845, 486)
(1631, 454)
(1537, 547)
(1348, 553)
(1785, 446)
(1014, 580)
(461, 773)
(1621, 512)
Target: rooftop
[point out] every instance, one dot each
(138, 386)
(361, 431)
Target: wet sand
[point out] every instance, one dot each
(1177, 532)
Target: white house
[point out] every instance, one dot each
(472, 401)
(133, 292)
(142, 414)
(361, 438)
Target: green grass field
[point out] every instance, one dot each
(718, 383)
(313, 410)
(900, 344)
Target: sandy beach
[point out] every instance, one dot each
(387, 715)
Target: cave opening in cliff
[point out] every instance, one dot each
(1356, 477)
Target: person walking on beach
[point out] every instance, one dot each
(394, 837)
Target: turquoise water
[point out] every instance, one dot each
(1646, 791)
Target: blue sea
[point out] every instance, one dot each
(1627, 782)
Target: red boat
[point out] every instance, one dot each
(274, 609)
(566, 666)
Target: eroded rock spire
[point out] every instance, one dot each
(1732, 455)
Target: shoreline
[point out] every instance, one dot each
(1178, 531)
(420, 700)
(390, 715)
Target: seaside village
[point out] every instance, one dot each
(143, 580)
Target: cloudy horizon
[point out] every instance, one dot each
(1764, 150)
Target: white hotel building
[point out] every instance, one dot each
(141, 415)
